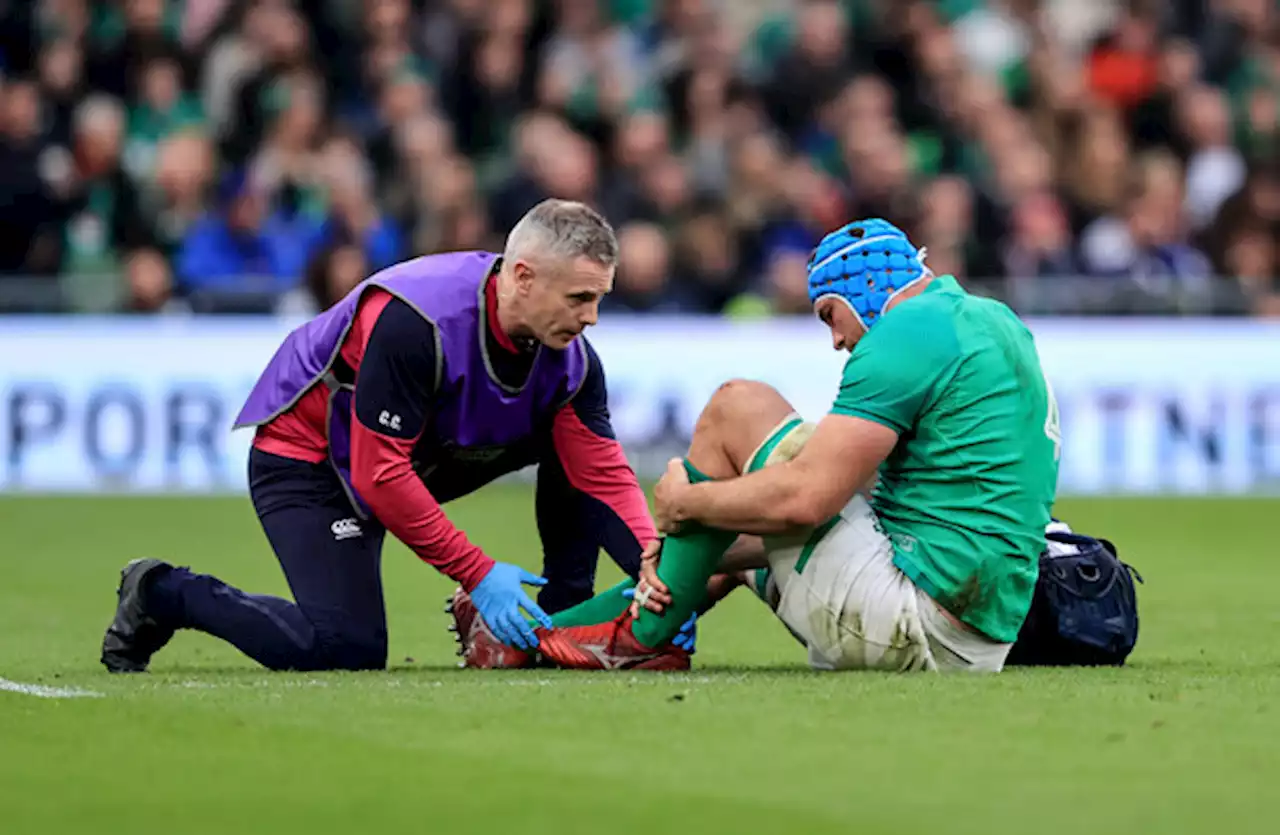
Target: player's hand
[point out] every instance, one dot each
(686, 638)
(667, 493)
(501, 600)
(650, 592)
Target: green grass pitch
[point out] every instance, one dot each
(1184, 740)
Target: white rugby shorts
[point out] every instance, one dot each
(842, 597)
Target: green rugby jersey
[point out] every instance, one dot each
(966, 493)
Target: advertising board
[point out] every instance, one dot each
(145, 405)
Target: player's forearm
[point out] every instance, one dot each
(770, 501)
(746, 553)
(594, 464)
(436, 541)
(718, 588)
(411, 514)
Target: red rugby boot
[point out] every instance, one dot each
(479, 648)
(607, 646)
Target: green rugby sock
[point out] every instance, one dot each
(605, 606)
(689, 559)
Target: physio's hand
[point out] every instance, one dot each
(499, 598)
(687, 637)
(667, 495)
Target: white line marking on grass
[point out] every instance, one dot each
(42, 692)
(410, 683)
(256, 684)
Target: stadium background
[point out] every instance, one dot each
(181, 182)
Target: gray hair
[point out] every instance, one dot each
(562, 229)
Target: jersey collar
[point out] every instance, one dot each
(491, 311)
(944, 283)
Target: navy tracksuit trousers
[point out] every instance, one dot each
(332, 562)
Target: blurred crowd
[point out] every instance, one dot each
(269, 154)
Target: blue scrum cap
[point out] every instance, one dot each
(864, 264)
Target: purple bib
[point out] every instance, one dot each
(478, 427)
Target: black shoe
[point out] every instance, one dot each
(133, 636)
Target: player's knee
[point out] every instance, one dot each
(737, 398)
(740, 390)
(739, 405)
(351, 652)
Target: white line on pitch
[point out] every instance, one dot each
(42, 692)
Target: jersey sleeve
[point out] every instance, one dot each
(397, 374)
(593, 460)
(394, 384)
(895, 368)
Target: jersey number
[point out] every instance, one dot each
(1052, 421)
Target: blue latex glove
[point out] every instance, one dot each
(499, 599)
(687, 637)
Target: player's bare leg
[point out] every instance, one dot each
(738, 422)
(741, 425)
(737, 419)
